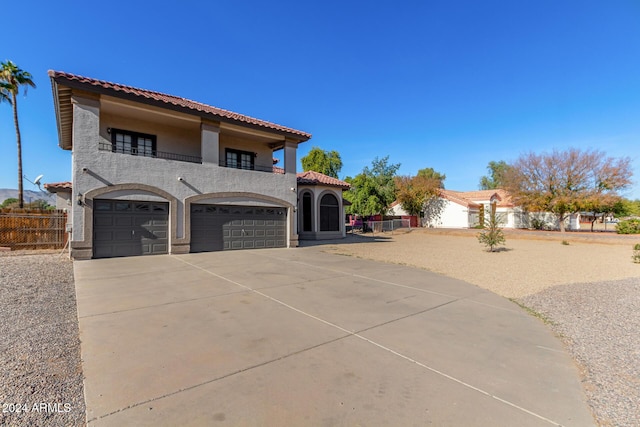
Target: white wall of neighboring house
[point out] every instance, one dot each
(456, 215)
(397, 210)
(572, 222)
(453, 216)
(506, 215)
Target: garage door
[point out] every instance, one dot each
(127, 228)
(220, 227)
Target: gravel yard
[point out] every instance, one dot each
(600, 323)
(589, 290)
(40, 370)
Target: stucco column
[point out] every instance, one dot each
(290, 148)
(86, 138)
(210, 143)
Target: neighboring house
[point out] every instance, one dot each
(464, 209)
(396, 210)
(155, 173)
(320, 206)
(62, 190)
(468, 206)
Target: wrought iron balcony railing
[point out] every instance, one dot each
(133, 151)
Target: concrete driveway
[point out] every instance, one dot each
(288, 337)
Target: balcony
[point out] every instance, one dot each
(133, 151)
(251, 167)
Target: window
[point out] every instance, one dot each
(329, 213)
(137, 144)
(239, 159)
(306, 212)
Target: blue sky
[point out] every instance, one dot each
(448, 85)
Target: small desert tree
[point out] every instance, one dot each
(561, 182)
(492, 235)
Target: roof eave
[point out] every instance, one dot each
(322, 184)
(74, 84)
(65, 145)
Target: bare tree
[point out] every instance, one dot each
(566, 182)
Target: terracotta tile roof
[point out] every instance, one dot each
(162, 99)
(457, 197)
(317, 178)
(54, 187)
(278, 170)
(504, 200)
(472, 198)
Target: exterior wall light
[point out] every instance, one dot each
(79, 199)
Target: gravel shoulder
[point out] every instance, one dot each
(588, 291)
(40, 368)
(600, 322)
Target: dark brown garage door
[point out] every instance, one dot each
(220, 227)
(128, 228)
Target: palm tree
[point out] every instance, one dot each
(4, 93)
(12, 78)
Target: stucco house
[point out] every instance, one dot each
(463, 209)
(154, 173)
(62, 190)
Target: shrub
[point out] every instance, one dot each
(564, 242)
(630, 226)
(636, 253)
(538, 224)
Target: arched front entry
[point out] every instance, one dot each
(320, 213)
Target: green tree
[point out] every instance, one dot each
(9, 202)
(12, 78)
(629, 208)
(431, 174)
(497, 173)
(326, 162)
(373, 190)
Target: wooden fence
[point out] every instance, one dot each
(33, 229)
